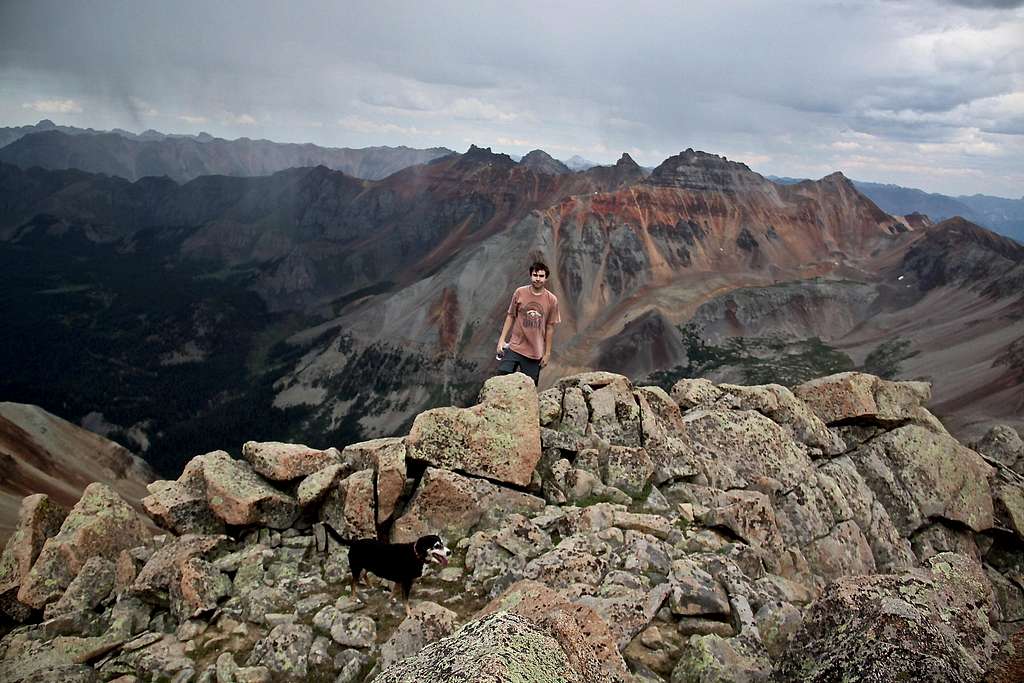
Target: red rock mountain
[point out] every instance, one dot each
(379, 299)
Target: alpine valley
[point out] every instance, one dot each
(180, 313)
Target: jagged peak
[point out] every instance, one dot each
(541, 161)
(484, 154)
(696, 170)
(626, 160)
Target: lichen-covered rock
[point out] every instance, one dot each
(389, 477)
(313, 488)
(287, 461)
(578, 559)
(164, 568)
(1010, 507)
(427, 622)
(285, 651)
(1003, 444)
(783, 407)
(540, 604)
(692, 393)
(497, 648)
(198, 589)
(930, 624)
(181, 508)
(452, 506)
(39, 518)
(858, 395)
(614, 411)
(919, 475)
(714, 659)
(101, 523)
(550, 406)
(237, 495)
(628, 469)
(90, 586)
(694, 592)
(499, 438)
(349, 508)
(743, 447)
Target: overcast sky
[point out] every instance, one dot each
(922, 93)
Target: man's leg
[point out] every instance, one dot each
(531, 368)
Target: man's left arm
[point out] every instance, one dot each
(549, 333)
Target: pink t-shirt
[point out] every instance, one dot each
(532, 313)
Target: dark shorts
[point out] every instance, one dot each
(516, 362)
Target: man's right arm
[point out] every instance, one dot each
(504, 332)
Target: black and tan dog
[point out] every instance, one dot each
(398, 562)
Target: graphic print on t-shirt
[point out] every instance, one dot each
(533, 315)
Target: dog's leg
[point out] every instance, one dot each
(355, 580)
(406, 589)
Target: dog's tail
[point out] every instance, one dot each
(321, 530)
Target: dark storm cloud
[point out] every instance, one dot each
(787, 82)
(986, 4)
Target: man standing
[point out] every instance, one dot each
(531, 317)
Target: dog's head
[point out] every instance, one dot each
(433, 549)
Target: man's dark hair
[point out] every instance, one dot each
(539, 265)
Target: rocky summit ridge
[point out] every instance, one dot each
(601, 532)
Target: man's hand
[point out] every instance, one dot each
(501, 347)
(544, 360)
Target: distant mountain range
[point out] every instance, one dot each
(314, 306)
(184, 157)
(1005, 216)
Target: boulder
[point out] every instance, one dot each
(849, 395)
(181, 508)
(313, 488)
(453, 506)
(575, 414)
(628, 469)
(349, 506)
(1003, 444)
(165, 567)
(287, 461)
(929, 624)
(543, 605)
(386, 458)
(198, 589)
(427, 622)
(693, 393)
(499, 438)
(237, 495)
(783, 407)
(284, 651)
(39, 518)
(549, 403)
(90, 586)
(919, 475)
(102, 524)
(502, 647)
(714, 659)
(742, 447)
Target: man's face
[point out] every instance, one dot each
(538, 278)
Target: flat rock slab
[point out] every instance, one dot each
(499, 438)
(237, 495)
(857, 395)
(287, 461)
(919, 475)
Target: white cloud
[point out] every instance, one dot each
(189, 118)
(143, 108)
(54, 106)
(359, 124)
(238, 119)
